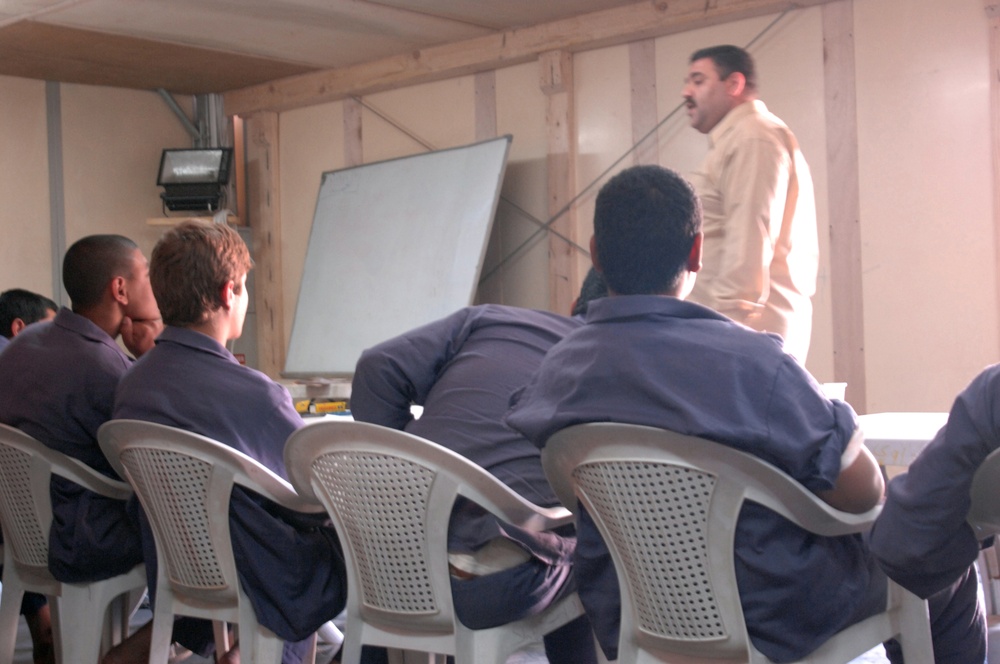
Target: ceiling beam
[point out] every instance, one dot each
(643, 20)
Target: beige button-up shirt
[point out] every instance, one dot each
(761, 252)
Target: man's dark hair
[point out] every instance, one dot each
(593, 288)
(645, 221)
(19, 303)
(91, 263)
(728, 59)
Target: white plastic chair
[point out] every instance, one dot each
(80, 632)
(184, 482)
(667, 506)
(390, 495)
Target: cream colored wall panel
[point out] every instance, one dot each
(926, 199)
(312, 142)
(112, 143)
(24, 221)
(522, 279)
(439, 115)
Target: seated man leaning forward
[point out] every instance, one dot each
(463, 369)
(58, 383)
(647, 357)
(291, 564)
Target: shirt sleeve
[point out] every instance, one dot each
(399, 372)
(754, 187)
(921, 538)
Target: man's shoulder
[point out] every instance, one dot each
(501, 314)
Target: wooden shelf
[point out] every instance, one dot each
(173, 221)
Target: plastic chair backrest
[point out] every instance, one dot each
(667, 506)
(390, 494)
(184, 481)
(26, 466)
(984, 513)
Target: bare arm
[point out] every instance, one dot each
(860, 485)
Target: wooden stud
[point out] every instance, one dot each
(642, 72)
(844, 202)
(993, 14)
(264, 215)
(486, 105)
(556, 81)
(353, 145)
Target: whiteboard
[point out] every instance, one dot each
(394, 244)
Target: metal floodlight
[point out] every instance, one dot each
(192, 179)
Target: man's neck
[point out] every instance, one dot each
(105, 316)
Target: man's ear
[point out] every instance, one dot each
(736, 84)
(228, 294)
(119, 290)
(593, 255)
(694, 257)
(16, 326)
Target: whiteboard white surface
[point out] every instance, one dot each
(394, 245)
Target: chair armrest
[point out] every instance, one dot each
(277, 490)
(80, 473)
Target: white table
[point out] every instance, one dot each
(895, 439)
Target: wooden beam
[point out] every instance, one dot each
(844, 201)
(993, 14)
(620, 25)
(642, 74)
(264, 215)
(556, 81)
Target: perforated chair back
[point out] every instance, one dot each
(184, 482)
(390, 496)
(984, 513)
(78, 610)
(667, 507)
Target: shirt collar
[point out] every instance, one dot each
(754, 106)
(83, 326)
(629, 306)
(196, 340)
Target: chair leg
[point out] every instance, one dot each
(10, 608)
(163, 628)
(351, 653)
(220, 630)
(265, 647)
(915, 631)
(78, 624)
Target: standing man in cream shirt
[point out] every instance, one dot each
(760, 249)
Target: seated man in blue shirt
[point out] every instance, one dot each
(647, 357)
(18, 309)
(921, 539)
(463, 369)
(290, 564)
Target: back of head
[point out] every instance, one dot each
(190, 265)
(18, 303)
(90, 265)
(645, 221)
(729, 59)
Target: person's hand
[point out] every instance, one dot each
(140, 335)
